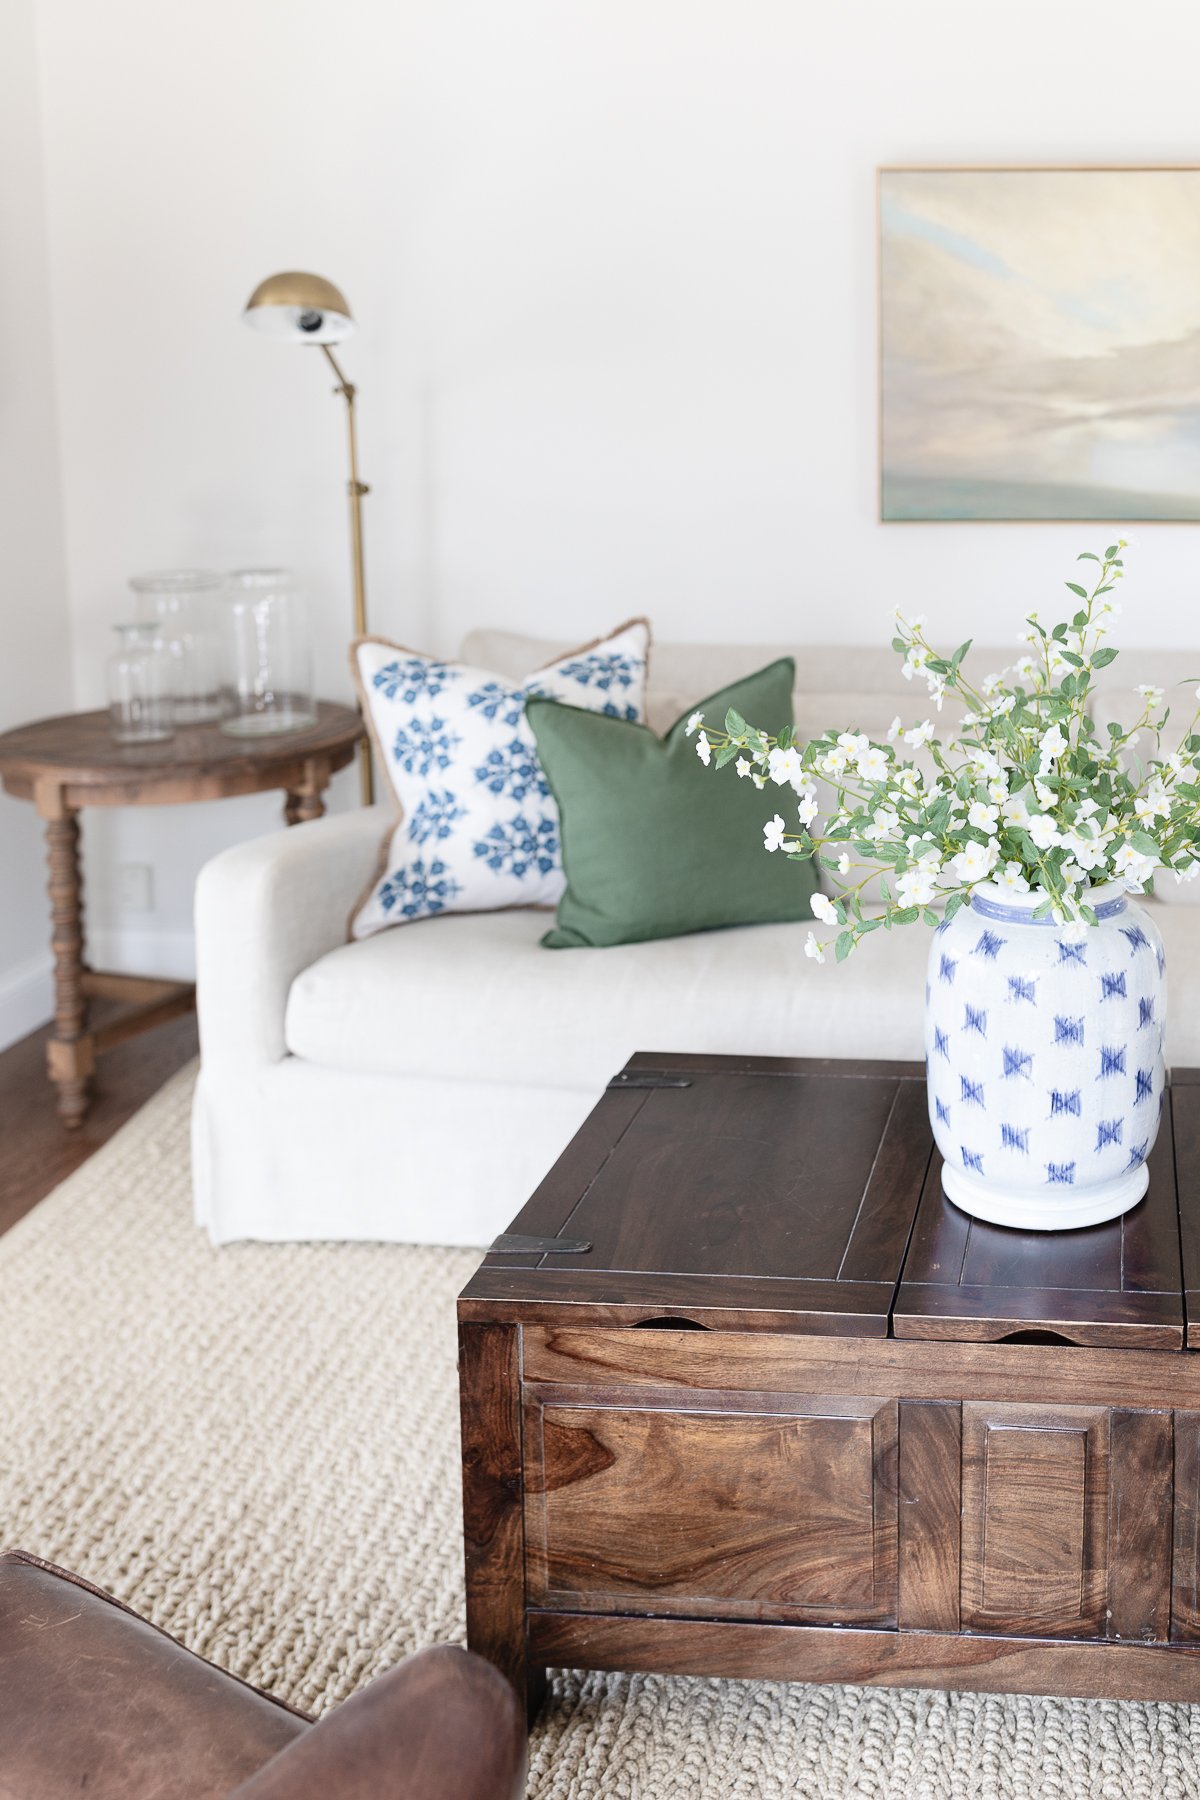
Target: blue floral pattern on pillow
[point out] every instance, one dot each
(479, 827)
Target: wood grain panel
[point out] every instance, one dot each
(1185, 1582)
(995, 1665)
(930, 1515)
(760, 1515)
(908, 1370)
(1139, 1531)
(1035, 1520)
(493, 1534)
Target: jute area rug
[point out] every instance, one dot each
(257, 1446)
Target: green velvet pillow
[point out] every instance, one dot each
(654, 844)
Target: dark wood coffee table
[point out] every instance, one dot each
(791, 1415)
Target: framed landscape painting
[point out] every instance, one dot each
(1040, 343)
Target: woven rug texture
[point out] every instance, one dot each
(258, 1447)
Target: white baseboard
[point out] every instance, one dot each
(26, 999)
(140, 950)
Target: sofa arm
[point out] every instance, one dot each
(445, 1725)
(267, 909)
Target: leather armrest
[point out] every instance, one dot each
(445, 1725)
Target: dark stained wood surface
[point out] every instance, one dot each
(35, 1152)
(1185, 1113)
(1109, 1284)
(789, 1386)
(775, 1190)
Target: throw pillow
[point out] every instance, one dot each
(654, 844)
(478, 827)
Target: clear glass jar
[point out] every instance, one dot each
(269, 655)
(139, 686)
(182, 604)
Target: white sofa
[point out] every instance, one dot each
(416, 1086)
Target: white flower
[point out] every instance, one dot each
(843, 864)
(773, 832)
(1198, 693)
(1043, 831)
(1153, 804)
(813, 949)
(1052, 746)
(1024, 668)
(1188, 871)
(822, 908)
(1133, 866)
(1075, 931)
(915, 888)
(982, 817)
(916, 659)
(1012, 879)
(894, 728)
(937, 688)
(909, 782)
(835, 760)
(785, 766)
(1004, 705)
(704, 749)
(807, 809)
(921, 734)
(757, 779)
(854, 741)
(1014, 811)
(742, 767)
(884, 825)
(696, 720)
(1089, 853)
(1086, 808)
(1150, 694)
(873, 763)
(975, 862)
(1045, 795)
(998, 789)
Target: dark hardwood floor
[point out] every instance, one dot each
(36, 1151)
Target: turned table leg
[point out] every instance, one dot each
(307, 801)
(70, 1055)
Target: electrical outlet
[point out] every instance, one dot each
(135, 887)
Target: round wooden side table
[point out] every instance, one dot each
(65, 764)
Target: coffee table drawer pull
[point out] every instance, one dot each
(667, 1323)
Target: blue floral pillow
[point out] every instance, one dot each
(478, 827)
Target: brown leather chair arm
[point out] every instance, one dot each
(445, 1725)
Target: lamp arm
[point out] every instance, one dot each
(356, 489)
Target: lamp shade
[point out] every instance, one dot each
(300, 309)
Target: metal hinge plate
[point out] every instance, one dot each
(512, 1243)
(648, 1078)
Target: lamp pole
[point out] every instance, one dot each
(356, 489)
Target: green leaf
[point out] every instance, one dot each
(939, 665)
(726, 754)
(899, 645)
(885, 892)
(907, 915)
(786, 738)
(1076, 589)
(1087, 556)
(1104, 656)
(1069, 656)
(870, 925)
(930, 917)
(1111, 552)
(960, 653)
(735, 725)
(1141, 840)
(844, 945)
(955, 904)
(799, 855)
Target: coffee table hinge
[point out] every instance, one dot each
(648, 1078)
(512, 1243)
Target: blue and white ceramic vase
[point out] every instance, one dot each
(1045, 1059)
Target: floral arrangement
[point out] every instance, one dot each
(1026, 795)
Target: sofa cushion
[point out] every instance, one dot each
(478, 826)
(653, 843)
(474, 997)
(95, 1701)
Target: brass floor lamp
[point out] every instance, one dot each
(305, 309)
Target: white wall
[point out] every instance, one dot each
(614, 266)
(35, 662)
